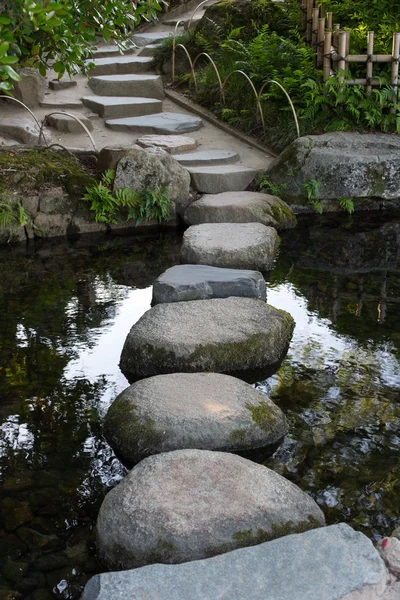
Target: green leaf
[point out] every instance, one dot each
(4, 46)
(9, 60)
(11, 73)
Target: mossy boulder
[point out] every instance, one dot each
(192, 504)
(243, 336)
(207, 411)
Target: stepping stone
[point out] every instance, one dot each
(144, 39)
(120, 65)
(170, 143)
(207, 158)
(148, 50)
(112, 50)
(68, 124)
(213, 180)
(328, 563)
(241, 207)
(207, 411)
(191, 504)
(201, 282)
(160, 123)
(23, 130)
(143, 86)
(230, 335)
(58, 85)
(117, 106)
(61, 104)
(231, 245)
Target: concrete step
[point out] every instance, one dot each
(160, 123)
(121, 65)
(144, 39)
(224, 178)
(148, 50)
(141, 86)
(67, 124)
(207, 158)
(112, 107)
(112, 50)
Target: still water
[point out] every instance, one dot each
(65, 310)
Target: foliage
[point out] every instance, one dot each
(12, 216)
(273, 188)
(312, 190)
(347, 204)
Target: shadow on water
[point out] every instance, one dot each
(66, 310)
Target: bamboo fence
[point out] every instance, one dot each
(332, 48)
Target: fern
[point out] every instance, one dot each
(347, 204)
(312, 189)
(14, 215)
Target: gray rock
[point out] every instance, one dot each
(109, 156)
(202, 282)
(115, 106)
(330, 563)
(148, 50)
(204, 335)
(120, 65)
(232, 245)
(205, 411)
(69, 124)
(170, 143)
(111, 50)
(140, 171)
(347, 165)
(192, 504)
(141, 86)
(228, 178)
(164, 122)
(207, 158)
(23, 130)
(31, 89)
(65, 84)
(389, 549)
(151, 37)
(396, 533)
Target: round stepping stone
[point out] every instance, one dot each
(207, 411)
(120, 65)
(202, 282)
(240, 207)
(141, 86)
(192, 504)
(242, 336)
(160, 123)
(231, 245)
(224, 178)
(169, 143)
(207, 158)
(116, 106)
(68, 124)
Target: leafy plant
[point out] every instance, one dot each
(347, 204)
(14, 215)
(312, 190)
(154, 204)
(274, 188)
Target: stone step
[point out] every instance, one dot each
(121, 106)
(159, 123)
(214, 180)
(144, 39)
(205, 158)
(121, 65)
(170, 143)
(61, 104)
(186, 19)
(148, 50)
(67, 124)
(112, 50)
(143, 86)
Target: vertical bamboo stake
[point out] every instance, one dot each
(322, 11)
(370, 52)
(329, 20)
(310, 8)
(336, 29)
(320, 40)
(304, 15)
(327, 52)
(395, 67)
(342, 53)
(347, 42)
(315, 17)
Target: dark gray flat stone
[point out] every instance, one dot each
(224, 178)
(111, 50)
(201, 282)
(332, 563)
(121, 65)
(160, 123)
(144, 39)
(148, 50)
(143, 86)
(122, 106)
(205, 158)
(57, 85)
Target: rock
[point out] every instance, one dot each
(31, 89)
(224, 178)
(66, 84)
(329, 563)
(143, 86)
(109, 156)
(69, 124)
(170, 143)
(23, 130)
(389, 549)
(348, 165)
(120, 65)
(203, 335)
(141, 171)
(232, 245)
(148, 50)
(396, 533)
(192, 504)
(207, 158)
(205, 411)
(201, 282)
(144, 39)
(241, 207)
(115, 106)
(164, 122)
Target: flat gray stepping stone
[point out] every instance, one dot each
(231, 245)
(120, 65)
(143, 39)
(207, 158)
(61, 104)
(328, 563)
(21, 129)
(63, 84)
(207, 411)
(169, 143)
(160, 123)
(111, 51)
(202, 282)
(213, 180)
(143, 86)
(68, 124)
(120, 106)
(241, 207)
(229, 335)
(189, 504)
(148, 50)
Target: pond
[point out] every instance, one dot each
(66, 309)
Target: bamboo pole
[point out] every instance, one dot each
(336, 30)
(329, 20)
(370, 51)
(320, 41)
(314, 39)
(322, 11)
(342, 53)
(375, 58)
(395, 67)
(310, 8)
(327, 52)
(347, 43)
(304, 15)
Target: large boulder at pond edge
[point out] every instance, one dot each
(230, 335)
(346, 165)
(328, 563)
(140, 170)
(205, 411)
(192, 504)
(231, 245)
